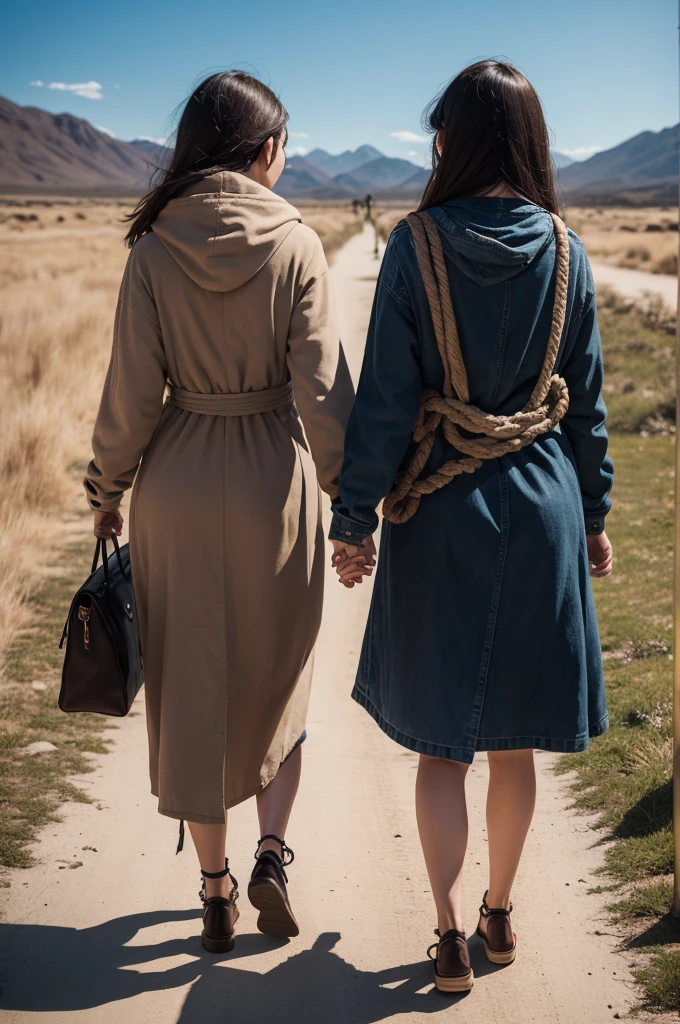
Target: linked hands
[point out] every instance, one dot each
(352, 563)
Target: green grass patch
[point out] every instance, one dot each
(660, 979)
(639, 350)
(651, 900)
(626, 775)
(33, 787)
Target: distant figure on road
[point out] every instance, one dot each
(226, 299)
(368, 203)
(482, 633)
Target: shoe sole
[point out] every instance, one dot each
(276, 917)
(461, 984)
(224, 945)
(496, 957)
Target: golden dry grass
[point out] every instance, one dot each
(644, 238)
(60, 267)
(58, 284)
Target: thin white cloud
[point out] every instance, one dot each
(299, 135)
(409, 137)
(107, 131)
(152, 138)
(37, 83)
(581, 152)
(89, 90)
(298, 151)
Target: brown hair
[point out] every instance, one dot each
(493, 131)
(224, 125)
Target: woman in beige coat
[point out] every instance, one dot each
(226, 302)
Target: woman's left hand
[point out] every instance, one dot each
(106, 523)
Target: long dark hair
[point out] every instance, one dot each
(224, 125)
(493, 132)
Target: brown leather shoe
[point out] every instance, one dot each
(500, 942)
(452, 971)
(219, 914)
(268, 893)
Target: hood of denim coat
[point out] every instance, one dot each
(492, 239)
(224, 229)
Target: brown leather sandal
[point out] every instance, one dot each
(500, 942)
(452, 971)
(268, 893)
(219, 914)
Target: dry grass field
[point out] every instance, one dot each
(644, 238)
(60, 267)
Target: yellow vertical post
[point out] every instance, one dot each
(676, 617)
(676, 641)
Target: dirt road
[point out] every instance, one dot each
(635, 283)
(116, 938)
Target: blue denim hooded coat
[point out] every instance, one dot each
(482, 632)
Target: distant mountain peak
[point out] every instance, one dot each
(647, 164)
(341, 163)
(561, 159)
(55, 151)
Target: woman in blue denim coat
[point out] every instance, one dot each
(482, 633)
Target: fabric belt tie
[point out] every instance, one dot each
(244, 403)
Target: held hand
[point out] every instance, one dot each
(352, 562)
(599, 554)
(106, 523)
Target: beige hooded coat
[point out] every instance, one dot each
(228, 294)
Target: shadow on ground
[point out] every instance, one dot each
(51, 969)
(653, 812)
(659, 933)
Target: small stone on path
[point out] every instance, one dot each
(39, 747)
(39, 686)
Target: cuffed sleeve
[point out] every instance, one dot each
(348, 530)
(584, 422)
(387, 403)
(318, 369)
(132, 399)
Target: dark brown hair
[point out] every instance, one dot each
(493, 131)
(224, 125)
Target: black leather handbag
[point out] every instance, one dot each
(103, 668)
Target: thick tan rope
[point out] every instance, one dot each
(501, 435)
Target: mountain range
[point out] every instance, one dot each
(43, 152)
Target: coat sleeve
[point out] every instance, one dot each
(132, 400)
(318, 369)
(388, 399)
(584, 422)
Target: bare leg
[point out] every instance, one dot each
(509, 810)
(275, 802)
(210, 842)
(443, 826)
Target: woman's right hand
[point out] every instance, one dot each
(107, 523)
(599, 554)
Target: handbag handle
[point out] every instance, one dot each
(101, 549)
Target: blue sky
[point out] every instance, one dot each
(349, 72)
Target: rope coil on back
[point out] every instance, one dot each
(501, 435)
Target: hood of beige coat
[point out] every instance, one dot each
(224, 229)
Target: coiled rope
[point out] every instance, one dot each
(500, 434)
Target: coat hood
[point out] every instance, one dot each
(492, 239)
(224, 229)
